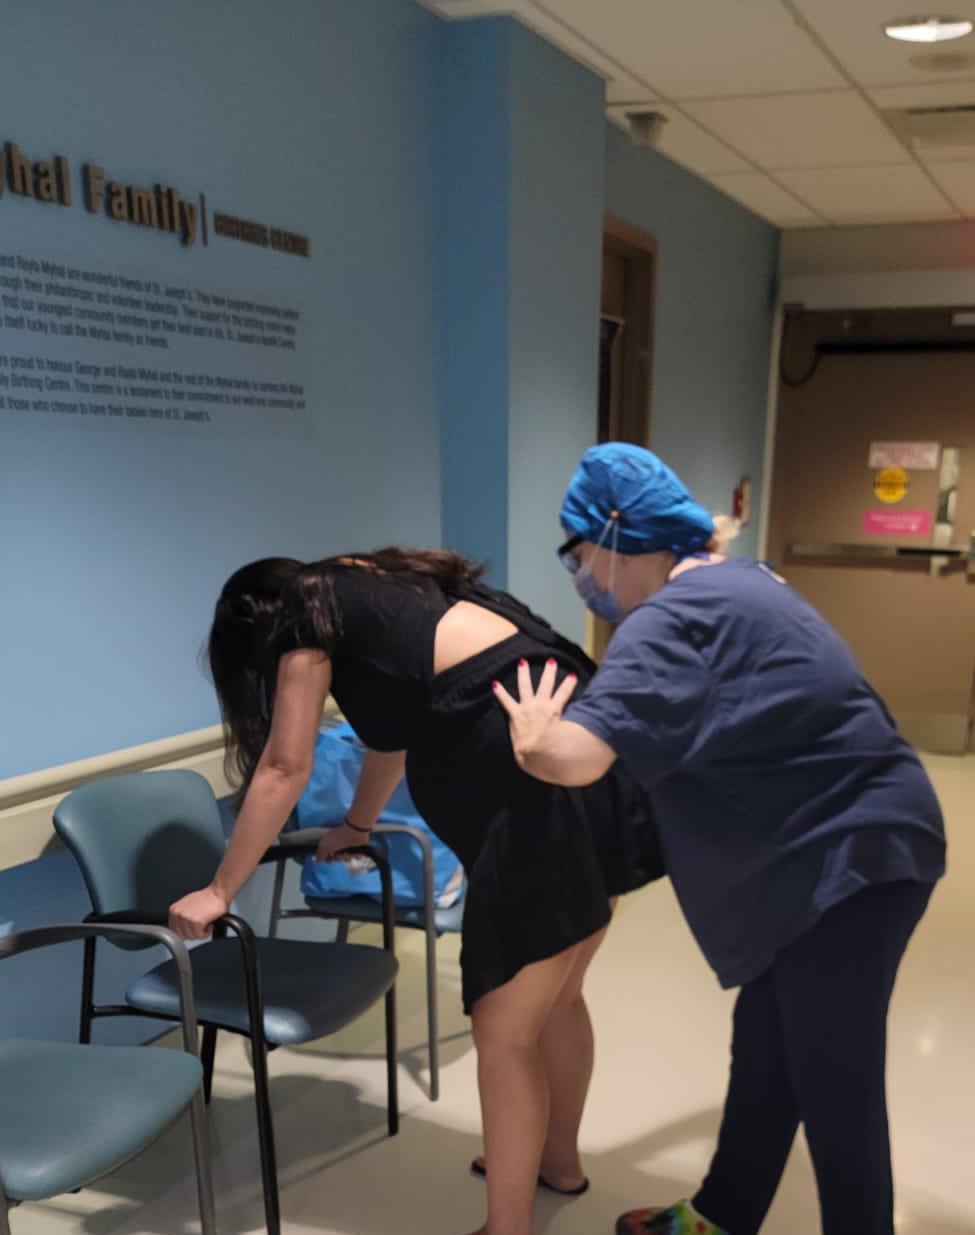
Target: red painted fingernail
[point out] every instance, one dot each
(495, 685)
(523, 664)
(551, 660)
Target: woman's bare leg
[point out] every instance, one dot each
(568, 1055)
(509, 1024)
(567, 1049)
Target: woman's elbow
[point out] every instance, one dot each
(283, 772)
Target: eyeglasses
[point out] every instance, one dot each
(567, 555)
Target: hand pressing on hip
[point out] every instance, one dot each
(557, 751)
(535, 715)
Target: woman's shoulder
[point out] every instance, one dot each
(361, 588)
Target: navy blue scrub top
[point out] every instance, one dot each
(780, 782)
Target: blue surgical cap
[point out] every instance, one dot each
(625, 484)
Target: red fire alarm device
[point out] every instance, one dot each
(741, 502)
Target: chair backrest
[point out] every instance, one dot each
(142, 839)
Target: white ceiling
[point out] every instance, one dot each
(779, 103)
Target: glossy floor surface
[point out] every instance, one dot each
(662, 1038)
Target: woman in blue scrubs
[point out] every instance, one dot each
(800, 831)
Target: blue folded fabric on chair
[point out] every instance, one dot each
(325, 803)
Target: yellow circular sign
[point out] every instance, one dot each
(890, 485)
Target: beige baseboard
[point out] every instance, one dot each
(27, 802)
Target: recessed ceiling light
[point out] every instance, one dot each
(928, 29)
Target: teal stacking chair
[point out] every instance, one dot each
(429, 917)
(143, 840)
(70, 1114)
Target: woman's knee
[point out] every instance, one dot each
(571, 996)
(514, 1015)
(572, 1004)
(505, 1035)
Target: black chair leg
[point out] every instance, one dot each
(207, 1055)
(392, 1074)
(262, 1098)
(342, 931)
(265, 1136)
(87, 992)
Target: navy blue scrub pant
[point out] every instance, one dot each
(809, 1047)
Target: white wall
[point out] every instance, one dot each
(910, 265)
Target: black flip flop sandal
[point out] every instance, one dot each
(480, 1171)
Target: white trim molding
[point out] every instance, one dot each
(27, 802)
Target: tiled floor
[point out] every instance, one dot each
(662, 1031)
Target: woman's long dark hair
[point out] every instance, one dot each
(277, 605)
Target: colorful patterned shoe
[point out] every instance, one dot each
(679, 1219)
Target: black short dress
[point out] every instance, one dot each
(542, 862)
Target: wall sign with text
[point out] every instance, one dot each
(897, 523)
(97, 343)
(913, 456)
(159, 206)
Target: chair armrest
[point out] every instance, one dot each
(47, 936)
(131, 917)
(305, 842)
(426, 850)
(155, 925)
(294, 844)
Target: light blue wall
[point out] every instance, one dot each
(529, 168)
(314, 116)
(474, 183)
(452, 178)
(522, 169)
(556, 242)
(715, 302)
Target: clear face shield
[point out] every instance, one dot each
(599, 601)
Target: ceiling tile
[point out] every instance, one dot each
(687, 143)
(852, 195)
(929, 94)
(837, 129)
(854, 32)
(699, 48)
(620, 84)
(596, 54)
(759, 88)
(958, 180)
(765, 198)
(950, 149)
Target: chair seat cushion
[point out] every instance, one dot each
(70, 1114)
(310, 989)
(364, 909)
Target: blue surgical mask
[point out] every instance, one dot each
(597, 600)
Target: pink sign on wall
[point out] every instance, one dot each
(898, 522)
(915, 456)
